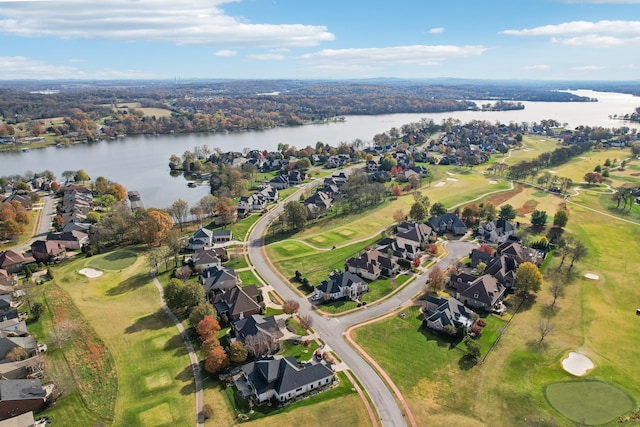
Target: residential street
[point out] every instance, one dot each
(331, 329)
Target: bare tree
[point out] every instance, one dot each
(290, 306)
(178, 211)
(306, 321)
(557, 291)
(545, 328)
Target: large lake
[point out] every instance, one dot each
(141, 162)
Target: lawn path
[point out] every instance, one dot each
(192, 355)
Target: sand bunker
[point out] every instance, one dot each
(91, 273)
(451, 173)
(592, 276)
(493, 182)
(577, 364)
(452, 179)
(554, 172)
(440, 184)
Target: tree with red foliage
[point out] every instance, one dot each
(208, 328)
(416, 262)
(216, 360)
(433, 249)
(487, 249)
(396, 191)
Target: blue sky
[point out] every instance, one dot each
(270, 39)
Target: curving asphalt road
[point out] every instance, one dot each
(331, 328)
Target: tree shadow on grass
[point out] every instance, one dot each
(129, 284)
(150, 322)
(443, 340)
(176, 344)
(548, 311)
(186, 375)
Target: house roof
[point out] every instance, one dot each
(448, 311)
(69, 236)
(338, 281)
(218, 278)
(48, 247)
(11, 390)
(236, 301)
(254, 324)
(484, 289)
(283, 374)
(11, 257)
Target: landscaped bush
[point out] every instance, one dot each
(404, 263)
(475, 331)
(481, 323)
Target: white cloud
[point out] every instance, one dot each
(537, 67)
(601, 34)
(21, 67)
(267, 57)
(225, 53)
(580, 27)
(389, 56)
(197, 22)
(588, 68)
(436, 30)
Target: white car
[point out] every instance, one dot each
(42, 348)
(316, 297)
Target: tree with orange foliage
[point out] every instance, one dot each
(208, 328)
(216, 360)
(118, 191)
(156, 225)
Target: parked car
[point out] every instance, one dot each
(316, 297)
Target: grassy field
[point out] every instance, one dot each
(456, 186)
(594, 318)
(289, 256)
(154, 377)
(588, 402)
(340, 406)
(578, 166)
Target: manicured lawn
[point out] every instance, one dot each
(154, 377)
(336, 407)
(289, 256)
(578, 166)
(294, 326)
(248, 278)
(299, 351)
(236, 262)
(589, 402)
(383, 287)
(116, 260)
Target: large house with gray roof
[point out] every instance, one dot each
(282, 378)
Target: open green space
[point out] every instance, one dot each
(588, 402)
(593, 317)
(290, 256)
(248, 277)
(452, 190)
(301, 352)
(116, 260)
(152, 378)
(340, 405)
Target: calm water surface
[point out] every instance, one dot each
(141, 162)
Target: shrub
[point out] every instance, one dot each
(481, 323)
(207, 411)
(475, 331)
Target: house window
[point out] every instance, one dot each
(476, 295)
(298, 390)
